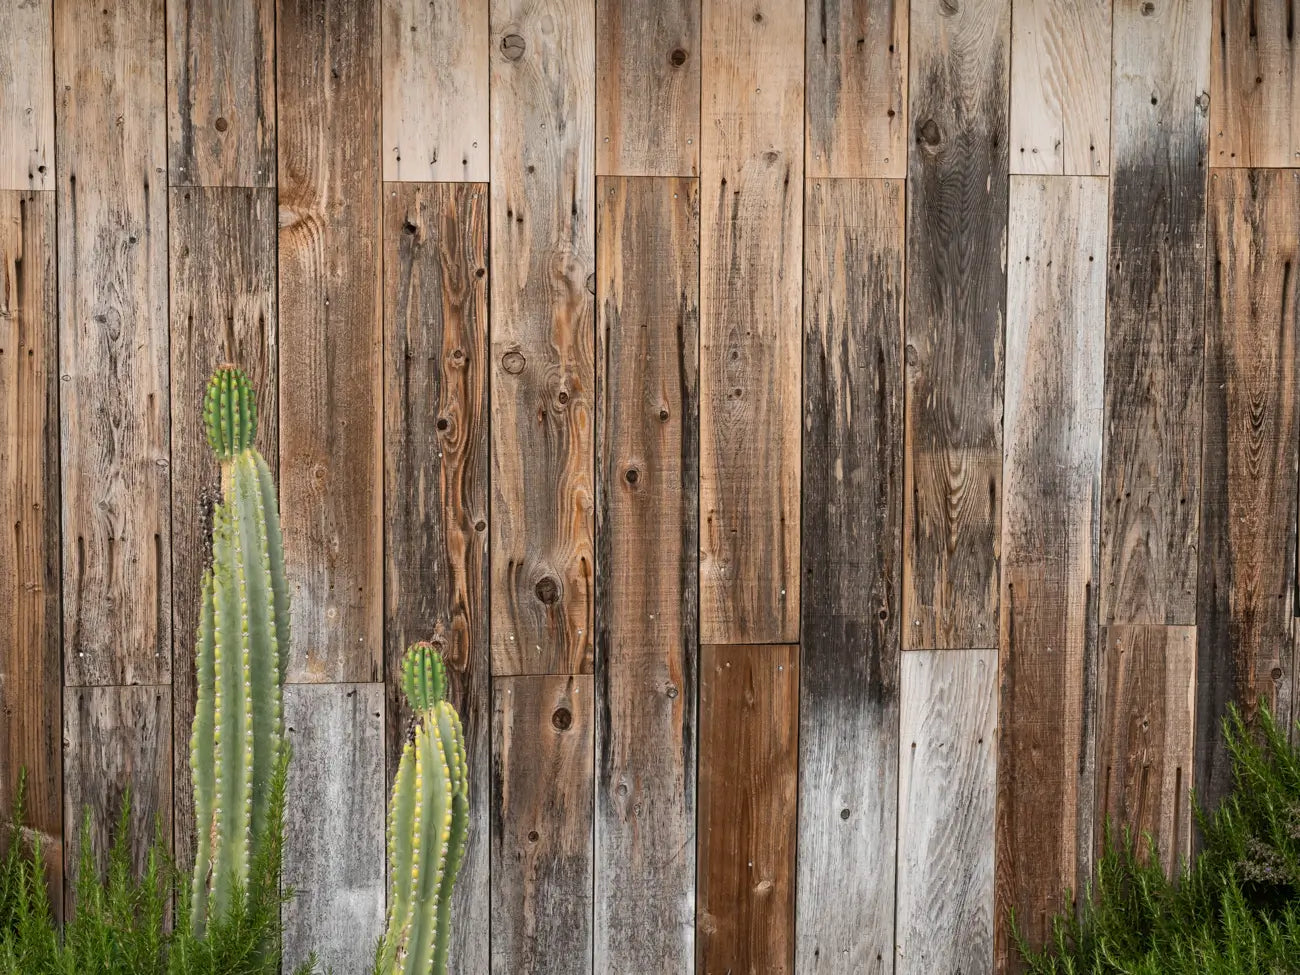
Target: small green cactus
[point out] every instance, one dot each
(242, 652)
(428, 824)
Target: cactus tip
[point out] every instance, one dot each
(230, 412)
(424, 676)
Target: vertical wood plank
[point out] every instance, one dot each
(112, 230)
(946, 776)
(750, 269)
(435, 497)
(334, 854)
(1255, 84)
(223, 309)
(647, 295)
(852, 553)
(1144, 743)
(748, 782)
(1060, 87)
(27, 109)
(221, 92)
(1155, 332)
(31, 672)
(856, 120)
(542, 825)
(116, 740)
(1246, 592)
(1056, 330)
(331, 416)
(543, 348)
(435, 81)
(648, 87)
(956, 301)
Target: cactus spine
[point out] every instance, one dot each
(428, 824)
(242, 648)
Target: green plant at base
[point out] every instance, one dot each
(242, 647)
(428, 824)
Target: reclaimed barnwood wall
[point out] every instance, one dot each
(846, 452)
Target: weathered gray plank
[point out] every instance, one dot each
(334, 856)
(647, 614)
(852, 557)
(27, 109)
(436, 450)
(946, 793)
(1155, 335)
(221, 92)
(542, 825)
(112, 229)
(1056, 332)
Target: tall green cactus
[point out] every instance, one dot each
(243, 644)
(428, 824)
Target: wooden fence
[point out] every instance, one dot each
(844, 453)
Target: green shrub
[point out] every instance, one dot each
(1234, 911)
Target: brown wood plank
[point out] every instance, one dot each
(334, 855)
(112, 229)
(750, 270)
(956, 301)
(852, 553)
(542, 825)
(1247, 561)
(1060, 87)
(223, 309)
(436, 450)
(946, 785)
(1056, 332)
(543, 348)
(31, 671)
(221, 92)
(647, 299)
(748, 791)
(857, 88)
(435, 80)
(1144, 738)
(331, 335)
(648, 87)
(1255, 84)
(1156, 281)
(27, 109)
(118, 740)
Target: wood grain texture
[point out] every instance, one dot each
(112, 230)
(436, 450)
(542, 825)
(648, 87)
(956, 301)
(117, 740)
(947, 767)
(1155, 332)
(750, 270)
(221, 92)
(435, 81)
(223, 309)
(27, 105)
(1255, 84)
(331, 416)
(852, 557)
(1060, 87)
(31, 672)
(748, 782)
(856, 118)
(1246, 591)
(1056, 331)
(647, 299)
(543, 348)
(334, 854)
(1144, 740)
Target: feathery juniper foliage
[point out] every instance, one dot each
(1234, 911)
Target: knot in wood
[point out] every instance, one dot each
(513, 362)
(512, 46)
(678, 57)
(547, 590)
(562, 719)
(928, 134)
